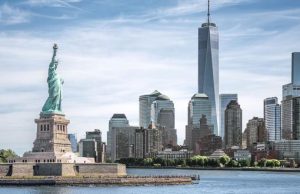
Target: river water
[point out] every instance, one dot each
(212, 181)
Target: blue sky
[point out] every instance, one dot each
(112, 51)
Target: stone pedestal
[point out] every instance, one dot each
(52, 134)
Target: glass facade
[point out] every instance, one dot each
(145, 102)
(199, 105)
(224, 101)
(162, 104)
(296, 68)
(272, 116)
(208, 67)
(73, 140)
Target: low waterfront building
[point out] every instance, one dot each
(288, 149)
(242, 155)
(217, 154)
(169, 154)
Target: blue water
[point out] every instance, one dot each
(211, 182)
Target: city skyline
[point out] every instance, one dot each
(102, 79)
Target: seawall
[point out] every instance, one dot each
(126, 180)
(61, 169)
(221, 168)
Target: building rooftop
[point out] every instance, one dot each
(200, 95)
(162, 97)
(155, 93)
(119, 116)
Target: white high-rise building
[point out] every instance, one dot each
(272, 117)
(224, 101)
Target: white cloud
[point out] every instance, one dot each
(11, 15)
(53, 3)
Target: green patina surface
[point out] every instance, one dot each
(53, 103)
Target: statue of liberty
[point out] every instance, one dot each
(53, 103)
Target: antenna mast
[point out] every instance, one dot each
(208, 12)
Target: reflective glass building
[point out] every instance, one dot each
(199, 105)
(224, 101)
(208, 67)
(162, 103)
(145, 102)
(272, 116)
(296, 68)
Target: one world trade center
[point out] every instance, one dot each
(208, 66)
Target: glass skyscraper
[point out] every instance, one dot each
(208, 67)
(272, 116)
(199, 105)
(161, 103)
(224, 101)
(289, 92)
(145, 102)
(296, 68)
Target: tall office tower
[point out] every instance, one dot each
(162, 103)
(208, 66)
(167, 125)
(139, 148)
(296, 118)
(199, 133)
(97, 136)
(272, 116)
(296, 68)
(92, 146)
(224, 101)
(289, 91)
(145, 102)
(256, 131)
(198, 105)
(166, 118)
(73, 139)
(233, 125)
(117, 120)
(125, 143)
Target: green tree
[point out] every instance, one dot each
(5, 154)
(148, 162)
(224, 160)
(262, 162)
(233, 163)
(244, 163)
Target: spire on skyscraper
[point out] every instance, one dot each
(208, 12)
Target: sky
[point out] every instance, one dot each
(112, 51)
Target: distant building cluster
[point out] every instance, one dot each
(214, 121)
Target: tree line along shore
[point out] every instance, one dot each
(205, 161)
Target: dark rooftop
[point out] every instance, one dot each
(119, 116)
